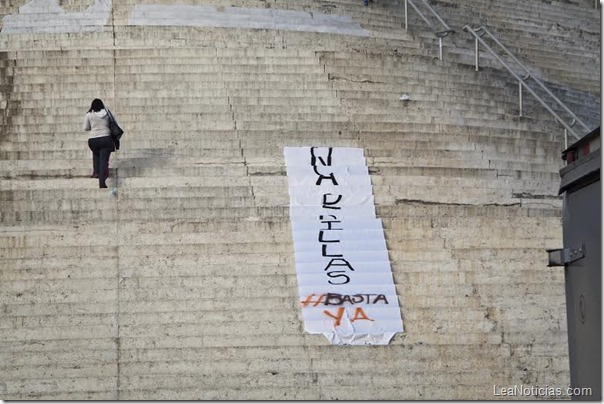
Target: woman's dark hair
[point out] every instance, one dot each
(96, 106)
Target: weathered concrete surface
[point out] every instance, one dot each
(238, 17)
(183, 285)
(47, 16)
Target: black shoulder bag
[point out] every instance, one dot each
(115, 130)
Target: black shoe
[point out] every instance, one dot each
(103, 186)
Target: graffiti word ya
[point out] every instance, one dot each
(359, 314)
(336, 299)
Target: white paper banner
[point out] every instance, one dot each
(332, 222)
(358, 280)
(299, 196)
(337, 234)
(359, 267)
(346, 213)
(305, 156)
(345, 281)
(348, 262)
(309, 178)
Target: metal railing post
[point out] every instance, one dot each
(476, 53)
(440, 49)
(440, 34)
(520, 98)
(565, 139)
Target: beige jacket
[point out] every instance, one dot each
(97, 123)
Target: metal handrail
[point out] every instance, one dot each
(521, 81)
(531, 75)
(439, 34)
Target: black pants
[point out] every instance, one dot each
(101, 149)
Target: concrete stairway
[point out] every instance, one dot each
(559, 42)
(182, 285)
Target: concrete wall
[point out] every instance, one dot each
(181, 285)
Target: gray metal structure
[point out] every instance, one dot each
(581, 258)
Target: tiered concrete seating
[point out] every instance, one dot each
(559, 42)
(181, 284)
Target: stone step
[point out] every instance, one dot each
(319, 84)
(516, 186)
(296, 126)
(285, 110)
(417, 113)
(51, 194)
(369, 82)
(62, 78)
(40, 101)
(358, 93)
(142, 37)
(202, 69)
(253, 98)
(170, 99)
(22, 42)
(95, 215)
(145, 140)
(152, 63)
(83, 153)
(520, 22)
(178, 121)
(413, 84)
(394, 105)
(160, 203)
(286, 118)
(69, 59)
(78, 88)
(59, 216)
(126, 169)
(225, 123)
(401, 65)
(174, 118)
(531, 13)
(213, 52)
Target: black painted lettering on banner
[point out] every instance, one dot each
(322, 177)
(336, 275)
(322, 240)
(380, 297)
(329, 222)
(343, 263)
(314, 158)
(324, 251)
(336, 299)
(338, 266)
(331, 204)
